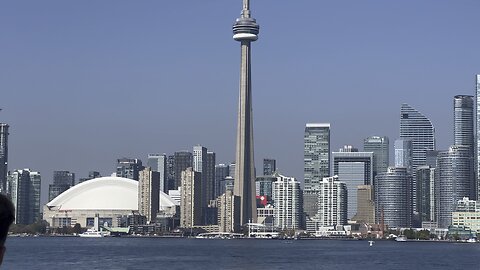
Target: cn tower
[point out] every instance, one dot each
(245, 30)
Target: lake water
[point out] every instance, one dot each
(163, 253)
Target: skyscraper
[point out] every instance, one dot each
(288, 203)
(316, 160)
(365, 205)
(149, 193)
(227, 209)
(477, 133)
(354, 169)
(3, 157)
(393, 198)
(190, 199)
(62, 180)
(245, 30)
(463, 131)
(403, 154)
(454, 177)
(316, 154)
(129, 168)
(200, 165)
(158, 163)
(182, 161)
(426, 193)
(380, 146)
(210, 176)
(418, 128)
(269, 166)
(221, 171)
(332, 202)
(24, 189)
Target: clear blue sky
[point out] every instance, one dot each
(85, 82)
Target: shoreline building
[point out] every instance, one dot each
(365, 205)
(191, 199)
(426, 197)
(227, 204)
(113, 199)
(149, 194)
(463, 132)
(332, 202)
(24, 187)
(354, 169)
(316, 159)
(3, 156)
(477, 134)
(454, 181)
(393, 198)
(380, 147)
(287, 196)
(467, 214)
(245, 30)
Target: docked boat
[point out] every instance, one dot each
(94, 233)
(401, 238)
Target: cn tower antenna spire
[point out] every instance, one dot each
(246, 9)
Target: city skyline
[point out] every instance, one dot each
(81, 101)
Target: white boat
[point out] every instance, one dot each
(401, 238)
(94, 233)
(471, 240)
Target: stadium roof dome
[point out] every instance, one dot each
(105, 193)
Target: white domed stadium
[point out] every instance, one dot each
(111, 198)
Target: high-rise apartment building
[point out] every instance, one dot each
(200, 165)
(425, 193)
(365, 205)
(288, 203)
(380, 147)
(477, 133)
(316, 161)
(354, 169)
(227, 204)
(404, 154)
(182, 161)
(269, 166)
(158, 163)
(3, 157)
(210, 176)
(453, 181)
(62, 180)
(170, 178)
(190, 198)
(463, 132)
(149, 193)
(129, 168)
(221, 171)
(316, 154)
(264, 185)
(24, 187)
(332, 202)
(418, 128)
(393, 198)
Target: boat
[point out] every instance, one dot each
(93, 233)
(471, 240)
(371, 242)
(401, 238)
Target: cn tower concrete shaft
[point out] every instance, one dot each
(245, 30)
